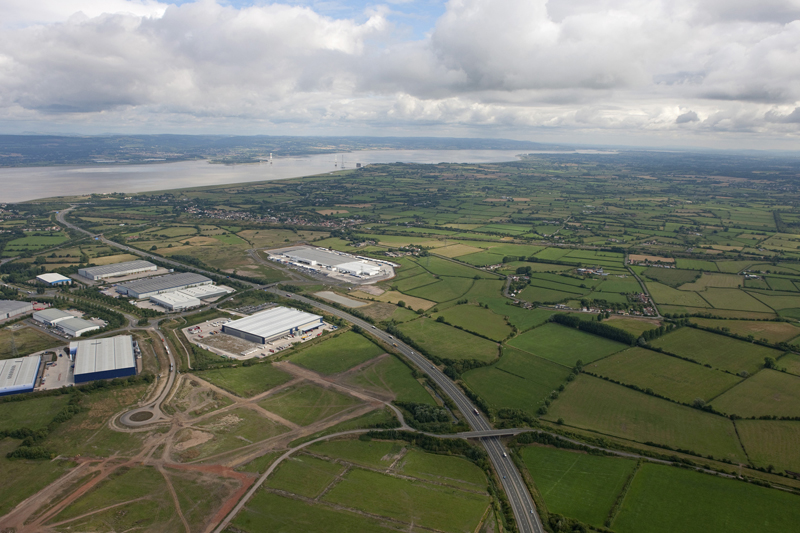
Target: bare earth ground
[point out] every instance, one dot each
(193, 401)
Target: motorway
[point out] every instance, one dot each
(521, 502)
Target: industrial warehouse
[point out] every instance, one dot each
(12, 308)
(190, 297)
(69, 324)
(146, 288)
(53, 279)
(19, 375)
(115, 270)
(52, 316)
(103, 358)
(327, 261)
(272, 324)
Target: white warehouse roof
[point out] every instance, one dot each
(116, 269)
(102, 355)
(18, 375)
(9, 308)
(52, 277)
(51, 316)
(74, 327)
(175, 300)
(271, 322)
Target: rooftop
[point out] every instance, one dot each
(272, 321)
(162, 283)
(324, 257)
(104, 270)
(7, 306)
(99, 355)
(77, 324)
(52, 277)
(18, 373)
(52, 314)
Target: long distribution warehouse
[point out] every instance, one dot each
(329, 260)
(117, 269)
(19, 375)
(145, 288)
(271, 324)
(12, 308)
(103, 358)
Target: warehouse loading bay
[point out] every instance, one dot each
(209, 336)
(58, 368)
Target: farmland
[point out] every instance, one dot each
(577, 485)
(719, 351)
(766, 393)
(663, 499)
(667, 376)
(594, 404)
(518, 381)
(448, 342)
(565, 346)
(246, 381)
(305, 404)
(390, 375)
(337, 354)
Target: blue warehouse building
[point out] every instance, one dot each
(103, 358)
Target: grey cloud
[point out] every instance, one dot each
(590, 65)
(689, 116)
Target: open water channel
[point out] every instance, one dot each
(30, 183)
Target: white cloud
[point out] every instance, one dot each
(575, 67)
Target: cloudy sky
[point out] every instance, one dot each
(718, 73)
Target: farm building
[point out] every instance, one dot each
(271, 324)
(12, 308)
(19, 375)
(75, 327)
(51, 316)
(323, 259)
(146, 288)
(53, 279)
(103, 358)
(118, 269)
(176, 300)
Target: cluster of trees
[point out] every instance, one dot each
(430, 418)
(125, 305)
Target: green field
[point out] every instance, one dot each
(448, 342)
(478, 320)
(375, 454)
(444, 290)
(734, 299)
(267, 511)
(390, 375)
(664, 499)
(34, 413)
(337, 354)
(761, 329)
(518, 380)
(577, 485)
(304, 475)
(771, 442)
(426, 505)
(565, 345)
(444, 469)
(766, 393)
(546, 296)
(662, 294)
(123, 485)
(305, 403)
(632, 325)
(443, 267)
(696, 264)
(246, 381)
(718, 351)
(231, 429)
(668, 376)
(23, 478)
(791, 362)
(24, 341)
(594, 404)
